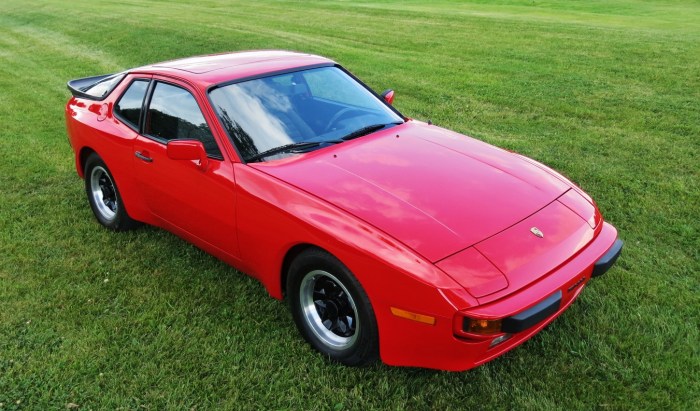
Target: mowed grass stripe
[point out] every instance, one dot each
(620, 15)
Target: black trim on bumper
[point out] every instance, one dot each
(607, 260)
(526, 319)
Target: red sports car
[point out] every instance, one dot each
(390, 238)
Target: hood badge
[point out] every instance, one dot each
(536, 231)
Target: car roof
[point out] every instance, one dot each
(218, 68)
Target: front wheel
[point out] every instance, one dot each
(331, 310)
(103, 196)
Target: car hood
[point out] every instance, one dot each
(436, 191)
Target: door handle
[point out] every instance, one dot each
(143, 157)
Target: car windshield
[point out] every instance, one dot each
(276, 116)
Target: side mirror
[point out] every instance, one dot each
(187, 150)
(388, 96)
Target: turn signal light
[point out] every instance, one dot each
(426, 319)
(482, 326)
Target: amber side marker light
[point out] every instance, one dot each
(426, 319)
(482, 326)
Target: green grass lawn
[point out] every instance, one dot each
(607, 92)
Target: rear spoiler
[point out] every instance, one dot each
(88, 88)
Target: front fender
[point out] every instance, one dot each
(274, 217)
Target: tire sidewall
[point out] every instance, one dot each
(365, 348)
(121, 220)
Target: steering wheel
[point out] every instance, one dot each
(340, 114)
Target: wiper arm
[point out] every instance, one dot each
(365, 130)
(302, 145)
(293, 147)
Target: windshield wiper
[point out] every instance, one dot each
(293, 147)
(365, 130)
(303, 145)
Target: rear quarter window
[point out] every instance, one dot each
(129, 106)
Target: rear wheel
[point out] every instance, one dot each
(331, 310)
(103, 196)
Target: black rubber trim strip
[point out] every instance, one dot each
(532, 316)
(607, 260)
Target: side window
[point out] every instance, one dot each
(128, 108)
(174, 114)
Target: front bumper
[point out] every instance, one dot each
(533, 315)
(550, 305)
(525, 313)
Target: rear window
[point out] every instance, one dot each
(103, 87)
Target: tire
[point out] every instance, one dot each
(331, 310)
(103, 195)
